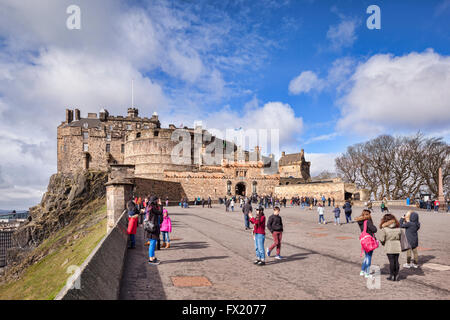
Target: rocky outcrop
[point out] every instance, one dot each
(66, 195)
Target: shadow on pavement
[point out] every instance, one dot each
(140, 281)
(194, 259)
(292, 257)
(189, 245)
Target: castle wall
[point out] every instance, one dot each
(329, 189)
(151, 154)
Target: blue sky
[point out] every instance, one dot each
(311, 69)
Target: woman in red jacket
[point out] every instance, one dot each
(259, 232)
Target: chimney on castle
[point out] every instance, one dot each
(69, 116)
(283, 154)
(77, 114)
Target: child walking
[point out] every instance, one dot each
(275, 226)
(166, 227)
(337, 215)
(321, 212)
(371, 229)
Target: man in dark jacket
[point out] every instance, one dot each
(275, 226)
(246, 209)
(410, 222)
(348, 211)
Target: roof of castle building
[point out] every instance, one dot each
(92, 123)
(290, 159)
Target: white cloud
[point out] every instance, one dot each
(342, 35)
(305, 82)
(321, 162)
(390, 93)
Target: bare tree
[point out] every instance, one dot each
(396, 167)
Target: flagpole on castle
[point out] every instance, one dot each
(132, 93)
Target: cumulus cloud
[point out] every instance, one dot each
(45, 68)
(391, 93)
(305, 82)
(321, 162)
(277, 116)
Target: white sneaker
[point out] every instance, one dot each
(362, 273)
(413, 265)
(406, 265)
(366, 275)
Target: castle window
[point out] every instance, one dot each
(85, 147)
(254, 186)
(108, 148)
(128, 126)
(122, 148)
(138, 135)
(108, 137)
(85, 135)
(156, 133)
(65, 147)
(138, 126)
(85, 125)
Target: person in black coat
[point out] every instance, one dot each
(154, 214)
(275, 226)
(246, 209)
(371, 229)
(348, 211)
(410, 222)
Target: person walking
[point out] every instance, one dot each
(259, 233)
(348, 211)
(133, 217)
(246, 209)
(410, 222)
(390, 234)
(167, 201)
(436, 205)
(232, 204)
(337, 215)
(275, 226)
(166, 228)
(152, 233)
(209, 202)
(321, 210)
(366, 219)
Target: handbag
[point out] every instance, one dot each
(368, 242)
(149, 226)
(404, 241)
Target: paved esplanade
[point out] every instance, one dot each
(321, 261)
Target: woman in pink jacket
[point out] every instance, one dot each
(166, 227)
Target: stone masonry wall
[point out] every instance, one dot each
(331, 189)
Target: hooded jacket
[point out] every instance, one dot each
(411, 229)
(371, 229)
(347, 208)
(275, 223)
(389, 237)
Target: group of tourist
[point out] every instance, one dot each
(155, 218)
(392, 238)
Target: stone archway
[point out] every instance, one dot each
(240, 189)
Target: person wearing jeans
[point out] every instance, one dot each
(246, 209)
(371, 230)
(153, 215)
(259, 232)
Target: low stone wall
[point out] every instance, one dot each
(328, 189)
(100, 274)
(160, 188)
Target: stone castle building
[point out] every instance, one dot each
(141, 148)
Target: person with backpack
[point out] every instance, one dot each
(246, 209)
(410, 222)
(348, 211)
(390, 234)
(259, 233)
(337, 215)
(366, 225)
(152, 228)
(133, 217)
(166, 228)
(275, 226)
(321, 210)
